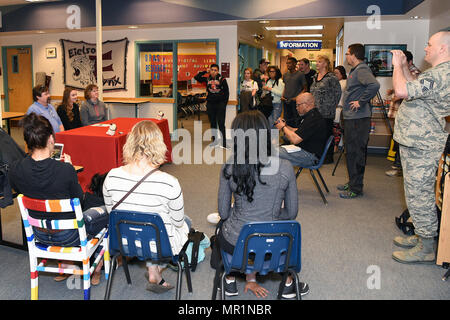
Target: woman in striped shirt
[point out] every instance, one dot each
(159, 193)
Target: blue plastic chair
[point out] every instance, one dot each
(142, 235)
(316, 168)
(263, 247)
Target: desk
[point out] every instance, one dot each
(98, 152)
(133, 102)
(11, 115)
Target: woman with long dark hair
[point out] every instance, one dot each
(69, 110)
(275, 86)
(259, 184)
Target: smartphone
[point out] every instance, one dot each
(58, 151)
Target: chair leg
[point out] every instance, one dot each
(318, 187)
(222, 286)
(188, 272)
(106, 257)
(110, 278)
(34, 279)
(86, 279)
(298, 172)
(297, 284)
(282, 284)
(179, 280)
(323, 181)
(125, 269)
(217, 278)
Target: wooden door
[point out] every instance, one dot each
(20, 80)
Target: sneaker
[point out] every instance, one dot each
(348, 194)
(231, 288)
(289, 290)
(394, 173)
(342, 187)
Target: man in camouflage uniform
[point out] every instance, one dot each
(420, 131)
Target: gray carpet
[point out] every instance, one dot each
(342, 243)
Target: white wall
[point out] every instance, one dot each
(412, 33)
(226, 34)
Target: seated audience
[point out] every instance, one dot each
(69, 110)
(41, 106)
(259, 191)
(310, 134)
(39, 176)
(92, 110)
(159, 193)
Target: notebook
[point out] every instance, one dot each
(291, 148)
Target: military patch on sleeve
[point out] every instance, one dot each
(427, 85)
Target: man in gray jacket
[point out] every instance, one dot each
(361, 88)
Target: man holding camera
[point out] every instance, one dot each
(420, 131)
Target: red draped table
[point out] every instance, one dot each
(98, 152)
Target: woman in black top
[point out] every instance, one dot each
(39, 176)
(69, 111)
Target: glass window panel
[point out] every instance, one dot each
(155, 65)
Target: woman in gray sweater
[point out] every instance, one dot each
(92, 110)
(259, 191)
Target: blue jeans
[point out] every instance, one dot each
(276, 113)
(300, 158)
(64, 238)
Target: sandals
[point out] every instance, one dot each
(61, 277)
(159, 287)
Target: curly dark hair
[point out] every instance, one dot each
(245, 174)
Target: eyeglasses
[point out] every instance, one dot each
(272, 71)
(299, 104)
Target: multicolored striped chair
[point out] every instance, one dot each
(82, 253)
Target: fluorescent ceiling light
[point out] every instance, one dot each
(298, 35)
(133, 27)
(294, 28)
(264, 21)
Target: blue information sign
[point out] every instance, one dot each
(298, 44)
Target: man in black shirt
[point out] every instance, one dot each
(304, 66)
(216, 100)
(310, 134)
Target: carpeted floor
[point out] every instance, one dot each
(345, 245)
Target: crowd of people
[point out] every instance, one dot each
(308, 101)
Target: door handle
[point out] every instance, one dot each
(10, 89)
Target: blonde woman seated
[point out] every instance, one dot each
(159, 193)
